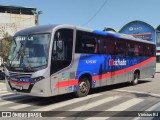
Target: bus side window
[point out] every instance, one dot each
(131, 49)
(136, 50)
(101, 43)
(142, 50)
(109, 46)
(153, 51)
(58, 47)
(86, 43)
(127, 45)
(149, 50)
(120, 47)
(61, 49)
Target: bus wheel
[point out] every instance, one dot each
(135, 80)
(83, 87)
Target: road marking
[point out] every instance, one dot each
(2, 83)
(155, 107)
(147, 93)
(10, 102)
(6, 93)
(121, 107)
(20, 106)
(6, 102)
(65, 103)
(93, 104)
(125, 105)
(4, 89)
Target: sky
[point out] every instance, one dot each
(90, 13)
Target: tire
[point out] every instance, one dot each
(83, 87)
(135, 80)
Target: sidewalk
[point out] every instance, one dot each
(158, 67)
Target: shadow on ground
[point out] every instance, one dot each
(42, 101)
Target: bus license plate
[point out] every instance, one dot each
(18, 87)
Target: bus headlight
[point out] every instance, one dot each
(36, 79)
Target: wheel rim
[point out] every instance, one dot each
(136, 81)
(83, 87)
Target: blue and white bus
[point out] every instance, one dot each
(56, 59)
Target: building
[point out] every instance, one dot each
(15, 18)
(145, 31)
(158, 43)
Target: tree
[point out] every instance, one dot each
(5, 46)
(37, 13)
(109, 29)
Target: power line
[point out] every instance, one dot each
(95, 13)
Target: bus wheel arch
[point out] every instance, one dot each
(84, 85)
(136, 76)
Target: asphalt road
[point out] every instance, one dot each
(99, 103)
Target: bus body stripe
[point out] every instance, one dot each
(19, 83)
(66, 83)
(107, 75)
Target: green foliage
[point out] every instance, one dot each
(5, 46)
(109, 29)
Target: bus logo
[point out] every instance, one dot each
(91, 61)
(117, 62)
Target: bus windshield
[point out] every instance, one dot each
(29, 52)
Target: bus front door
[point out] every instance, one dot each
(61, 59)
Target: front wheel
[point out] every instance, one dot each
(135, 80)
(83, 87)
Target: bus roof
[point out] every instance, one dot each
(120, 35)
(36, 30)
(49, 28)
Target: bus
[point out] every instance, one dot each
(51, 60)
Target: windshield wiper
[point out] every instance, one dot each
(17, 53)
(20, 55)
(30, 67)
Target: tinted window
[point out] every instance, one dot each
(109, 46)
(120, 47)
(61, 49)
(133, 48)
(150, 50)
(86, 43)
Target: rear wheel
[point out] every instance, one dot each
(83, 87)
(135, 80)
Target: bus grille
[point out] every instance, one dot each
(20, 75)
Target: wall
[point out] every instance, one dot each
(12, 23)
